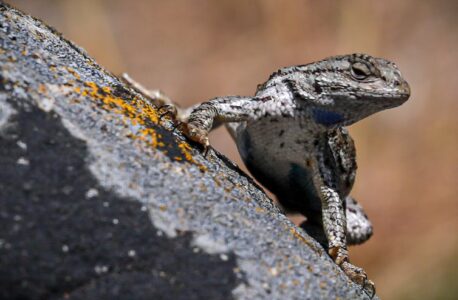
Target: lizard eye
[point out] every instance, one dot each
(360, 71)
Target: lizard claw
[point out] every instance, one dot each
(167, 109)
(369, 288)
(356, 274)
(198, 135)
(206, 148)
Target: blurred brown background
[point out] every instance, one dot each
(408, 157)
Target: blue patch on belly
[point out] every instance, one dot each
(325, 117)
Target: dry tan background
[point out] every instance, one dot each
(408, 157)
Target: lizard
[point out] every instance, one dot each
(293, 139)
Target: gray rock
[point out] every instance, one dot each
(101, 200)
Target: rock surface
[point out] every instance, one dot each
(99, 199)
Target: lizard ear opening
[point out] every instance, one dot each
(360, 71)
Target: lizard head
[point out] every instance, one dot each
(351, 87)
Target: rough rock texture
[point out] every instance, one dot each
(99, 199)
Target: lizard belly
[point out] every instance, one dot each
(275, 152)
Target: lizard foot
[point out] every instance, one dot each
(198, 135)
(164, 105)
(356, 274)
(167, 110)
(172, 112)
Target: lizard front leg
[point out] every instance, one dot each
(211, 114)
(334, 224)
(199, 119)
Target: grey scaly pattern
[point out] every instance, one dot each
(292, 138)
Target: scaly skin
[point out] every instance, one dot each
(291, 137)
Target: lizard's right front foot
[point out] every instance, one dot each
(197, 134)
(356, 274)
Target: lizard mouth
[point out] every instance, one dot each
(391, 95)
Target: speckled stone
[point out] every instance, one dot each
(99, 199)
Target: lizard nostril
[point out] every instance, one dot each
(397, 83)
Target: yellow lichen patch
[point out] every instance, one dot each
(259, 209)
(138, 115)
(136, 110)
(185, 149)
(73, 72)
(42, 88)
(302, 239)
(148, 135)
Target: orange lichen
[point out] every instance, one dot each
(138, 114)
(302, 239)
(42, 88)
(73, 72)
(259, 209)
(185, 149)
(136, 110)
